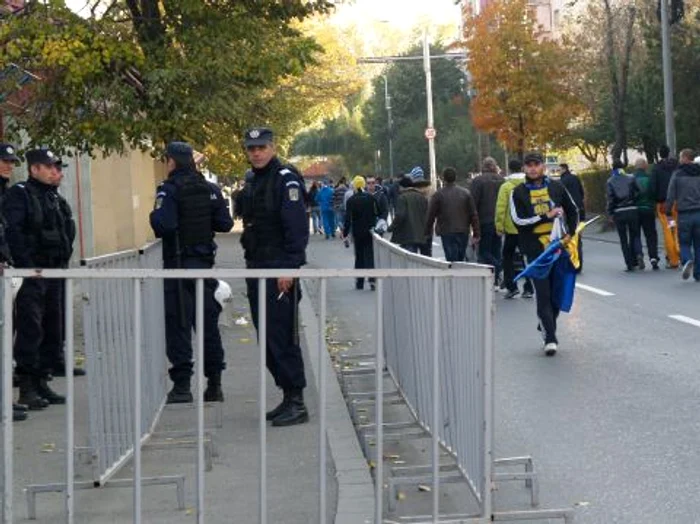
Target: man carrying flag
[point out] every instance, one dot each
(536, 206)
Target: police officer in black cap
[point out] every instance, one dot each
(38, 237)
(187, 213)
(275, 236)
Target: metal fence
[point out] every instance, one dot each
(440, 359)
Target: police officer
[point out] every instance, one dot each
(38, 238)
(275, 236)
(188, 212)
(8, 160)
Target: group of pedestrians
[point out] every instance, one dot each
(671, 193)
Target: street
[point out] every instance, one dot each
(611, 420)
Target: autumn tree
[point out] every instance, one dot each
(520, 79)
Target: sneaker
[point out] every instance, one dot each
(687, 270)
(640, 262)
(511, 294)
(550, 349)
(654, 264)
(528, 294)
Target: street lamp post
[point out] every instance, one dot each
(390, 126)
(668, 77)
(429, 99)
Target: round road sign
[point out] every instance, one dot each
(430, 133)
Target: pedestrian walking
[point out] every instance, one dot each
(574, 186)
(534, 206)
(408, 227)
(315, 209)
(684, 194)
(646, 208)
(277, 237)
(341, 189)
(660, 179)
(324, 198)
(453, 214)
(375, 188)
(37, 237)
(361, 216)
(420, 183)
(187, 214)
(621, 195)
(485, 192)
(509, 232)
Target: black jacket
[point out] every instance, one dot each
(484, 189)
(684, 189)
(621, 193)
(529, 206)
(661, 177)
(573, 185)
(361, 215)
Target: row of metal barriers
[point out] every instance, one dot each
(434, 345)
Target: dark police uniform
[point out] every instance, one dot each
(275, 236)
(188, 212)
(39, 226)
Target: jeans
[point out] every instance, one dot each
(509, 246)
(490, 248)
(328, 222)
(647, 224)
(316, 219)
(689, 237)
(627, 223)
(455, 246)
(339, 218)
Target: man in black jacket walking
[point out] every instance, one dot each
(361, 215)
(534, 206)
(660, 179)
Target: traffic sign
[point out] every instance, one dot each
(430, 133)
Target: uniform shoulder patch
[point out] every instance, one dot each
(285, 171)
(294, 194)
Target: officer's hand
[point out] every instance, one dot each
(284, 284)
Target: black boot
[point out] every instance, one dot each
(294, 412)
(28, 394)
(272, 414)
(49, 394)
(18, 415)
(20, 407)
(213, 392)
(180, 394)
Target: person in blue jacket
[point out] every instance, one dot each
(276, 236)
(188, 211)
(324, 198)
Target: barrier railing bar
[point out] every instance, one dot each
(379, 409)
(322, 404)
(70, 402)
(199, 328)
(436, 401)
(489, 392)
(262, 335)
(137, 400)
(7, 448)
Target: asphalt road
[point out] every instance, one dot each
(611, 420)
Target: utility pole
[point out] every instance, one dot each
(390, 126)
(668, 78)
(429, 97)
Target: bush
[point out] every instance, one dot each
(594, 186)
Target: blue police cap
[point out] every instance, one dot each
(258, 136)
(7, 152)
(179, 150)
(41, 156)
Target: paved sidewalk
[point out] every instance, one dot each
(232, 485)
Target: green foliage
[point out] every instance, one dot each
(594, 184)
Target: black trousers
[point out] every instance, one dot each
(38, 326)
(364, 256)
(627, 224)
(510, 244)
(647, 224)
(490, 248)
(180, 303)
(547, 312)
(284, 359)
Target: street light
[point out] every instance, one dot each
(668, 77)
(390, 126)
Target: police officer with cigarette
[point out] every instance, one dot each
(187, 213)
(275, 236)
(38, 233)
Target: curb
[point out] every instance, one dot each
(355, 484)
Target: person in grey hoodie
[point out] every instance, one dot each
(684, 191)
(622, 191)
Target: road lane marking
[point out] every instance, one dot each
(595, 290)
(686, 320)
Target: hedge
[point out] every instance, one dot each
(594, 186)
